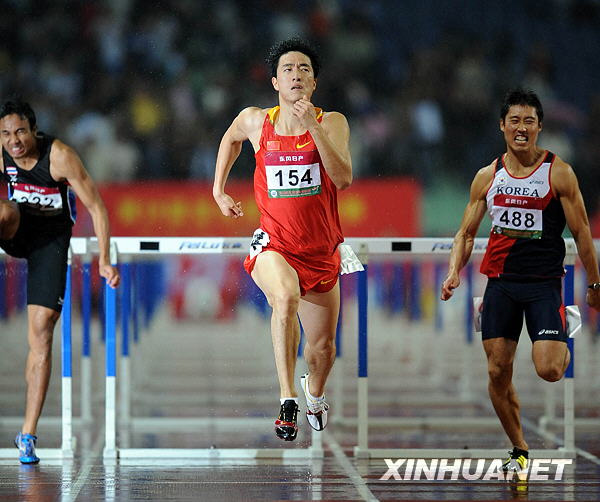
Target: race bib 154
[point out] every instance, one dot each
(292, 174)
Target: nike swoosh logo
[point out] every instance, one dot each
(298, 145)
(325, 282)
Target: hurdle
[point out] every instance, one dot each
(126, 248)
(66, 421)
(398, 250)
(365, 247)
(549, 418)
(428, 246)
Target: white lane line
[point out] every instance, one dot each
(590, 456)
(553, 437)
(351, 472)
(86, 467)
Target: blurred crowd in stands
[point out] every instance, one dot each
(144, 89)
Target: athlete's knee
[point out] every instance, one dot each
(9, 219)
(285, 303)
(325, 345)
(40, 353)
(550, 360)
(322, 350)
(6, 212)
(550, 372)
(40, 342)
(499, 373)
(41, 330)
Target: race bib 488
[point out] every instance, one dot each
(517, 217)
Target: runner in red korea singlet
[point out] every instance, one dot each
(531, 195)
(297, 202)
(527, 225)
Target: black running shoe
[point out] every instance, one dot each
(286, 427)
(516, 462)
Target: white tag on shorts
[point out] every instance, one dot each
(477, 309)
(260, 240)
(350, 262)
(573, 320)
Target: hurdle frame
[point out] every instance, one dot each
(429, 246)
(365, 247)
(126, 247)
(66, 420)
(204, 245)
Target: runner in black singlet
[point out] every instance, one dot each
(43, 176)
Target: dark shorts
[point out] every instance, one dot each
(46, 252)
(505, 302)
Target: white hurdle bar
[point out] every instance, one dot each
(428, 246)
(376, 246)
(204, 245)
(134, 246)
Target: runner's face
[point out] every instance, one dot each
(521, 127)
(295, 76)
(17, 137)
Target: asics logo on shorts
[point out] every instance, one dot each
(548, 332)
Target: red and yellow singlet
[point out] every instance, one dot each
(297, 202)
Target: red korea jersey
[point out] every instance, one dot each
(296, 198)
(527, 224)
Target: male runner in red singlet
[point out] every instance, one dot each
(302, 159)
(35, 224)
(530, 195)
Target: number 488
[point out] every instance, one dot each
(517, 219)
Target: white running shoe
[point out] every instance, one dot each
(316, 409)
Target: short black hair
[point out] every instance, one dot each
(520, 96)
(295, 44)
(17, 106)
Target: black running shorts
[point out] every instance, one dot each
(505, 302)
(46, 251)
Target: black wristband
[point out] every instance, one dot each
(595, 286)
